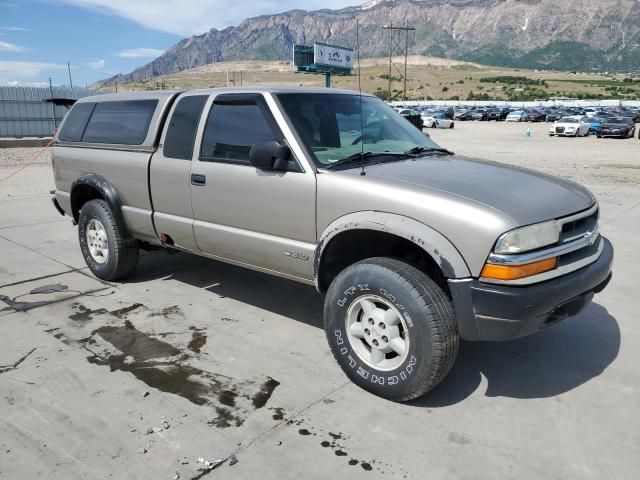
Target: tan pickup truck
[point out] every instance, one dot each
(412, 246)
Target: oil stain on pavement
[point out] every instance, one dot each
(165, 367)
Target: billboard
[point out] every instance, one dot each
(333, 56)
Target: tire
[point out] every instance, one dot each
(425, 327)
(451, 125)
(98, 224)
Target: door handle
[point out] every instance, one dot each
(198, 180)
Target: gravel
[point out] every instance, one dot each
(18, 157)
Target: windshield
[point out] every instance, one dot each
(617, 120)
(568, 120)
(329, 126)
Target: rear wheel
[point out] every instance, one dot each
(107, 248)
(391, 328)
(451, 125)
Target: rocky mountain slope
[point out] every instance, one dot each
(588, 35)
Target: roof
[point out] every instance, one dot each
(161, 94)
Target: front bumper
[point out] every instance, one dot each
(613, 134)
(498, 312)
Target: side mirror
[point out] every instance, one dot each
(269, 155)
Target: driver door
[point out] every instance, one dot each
(260, 219)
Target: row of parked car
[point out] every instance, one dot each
(568, 121)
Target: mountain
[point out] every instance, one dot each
(585, 35)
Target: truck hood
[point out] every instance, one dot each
(525, 196)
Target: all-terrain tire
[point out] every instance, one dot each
(123, 251)
(427, 318)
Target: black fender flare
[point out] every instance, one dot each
(106, 191)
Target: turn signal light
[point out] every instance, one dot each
(514, 272)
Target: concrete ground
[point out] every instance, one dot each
(194, 361)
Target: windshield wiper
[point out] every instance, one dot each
(361, 157)
(418, 150)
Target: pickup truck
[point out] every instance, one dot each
(413, 247)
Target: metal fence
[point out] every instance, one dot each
(35, 112)
(537, 103)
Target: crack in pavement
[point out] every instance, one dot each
(8, 368)
(43, 277)
(24, 306)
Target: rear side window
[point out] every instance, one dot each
(231, 130)
(181, 132)
(76, 122)
(122, 123)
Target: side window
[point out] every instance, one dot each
(76, 122)
(181, 132)
(122, 122)
(231, 129)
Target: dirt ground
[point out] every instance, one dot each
(195, 369)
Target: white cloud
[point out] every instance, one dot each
(25, 70)
(15, 29)
(189, 17)
(97, 65)
(140, 53)
(15, 83)
(10, 47)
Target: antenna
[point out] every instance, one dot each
(362, 172)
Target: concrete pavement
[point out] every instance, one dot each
(195, 361)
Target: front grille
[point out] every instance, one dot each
(579, 226)
(559, 129)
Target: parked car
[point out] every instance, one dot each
(413, 117)
(517, 116)
(536, 116)
(555, 115)
(464, 115)
(575, 126)
(480, 115)
(619, 127)
(594, 123)
(498, 114)
(437, 120)
(293, 182)
(447, 112)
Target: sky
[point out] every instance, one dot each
(100, 38)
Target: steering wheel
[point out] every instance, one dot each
(363, 138)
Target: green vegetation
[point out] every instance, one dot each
(385, 76)
(513, 80)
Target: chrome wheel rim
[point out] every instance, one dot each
(97, 241)
(377, 332)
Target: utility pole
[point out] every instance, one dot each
(394, 47)
(69, 70)
(53, 107)
(406, 54)
(390, 55)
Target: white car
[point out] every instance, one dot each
(576, 126)
(517, 116)
(437, 120)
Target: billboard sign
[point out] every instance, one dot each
(332, 56)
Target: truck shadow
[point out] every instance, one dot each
(543, 365)
(549, 363)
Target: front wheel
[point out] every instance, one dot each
(107, 248)
(391, 328)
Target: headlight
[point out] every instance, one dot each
(529, 238)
